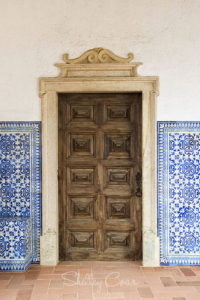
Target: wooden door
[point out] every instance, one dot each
(100, 202)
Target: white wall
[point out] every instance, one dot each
(163, 34)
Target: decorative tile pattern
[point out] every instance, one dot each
(15, 243)
(20, 194)
(15, 238)
(15, 174)
(179, 192)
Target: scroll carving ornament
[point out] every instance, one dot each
(96, 56)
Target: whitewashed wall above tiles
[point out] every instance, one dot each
(163, 34)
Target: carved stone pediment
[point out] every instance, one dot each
(96, 56)
(98, 62)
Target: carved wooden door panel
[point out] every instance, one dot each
(100, 176)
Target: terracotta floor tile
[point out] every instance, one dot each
(163, 298)
(148, 270)
(129, 289)
(69, 289)
(32, 275)
(24, 295)
(153, 281)
(41, 286)
(196, 269)
(7, 297)
(57, 292)
(9, 292)
(16, 281)
(197, 288)
(3, 283)
(100, 295)
(117, 296)
(145, 292)
(188, 283)
(34, 267)
(29, 282)
(167, 292)
(49, 276)
(5, 276)
(167, 281)
(56, 284)
(71, 278)
(163, 272)
(84, 291)
(179, 276)
(51, 297)
(87, 265)
(61, 272)
(69, 297)
(131, 296)
(111, 267)
(101, 298)
(41, 296)
(65, 268)
(99, 287)
(85, 262)
(26, 286)
(47, 270)
(99, 275)
(69, 262)
(192, 296)
(187, 272)
(85, 297)
(84, 274)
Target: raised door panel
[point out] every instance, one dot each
(81, 144)
(80, 113)
(81, 179)
(118, 208)
(118, 145)
(81, 207)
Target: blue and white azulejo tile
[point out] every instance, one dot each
(179, 192)
(20, 194)
(15, 243)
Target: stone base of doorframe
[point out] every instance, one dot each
(81, 81)
(151, 249)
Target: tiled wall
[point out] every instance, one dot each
(179, 192)
(20, 194)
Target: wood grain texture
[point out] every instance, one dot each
(100, 203)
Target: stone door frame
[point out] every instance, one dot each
(98, 77)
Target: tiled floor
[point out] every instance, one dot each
(100, 281)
